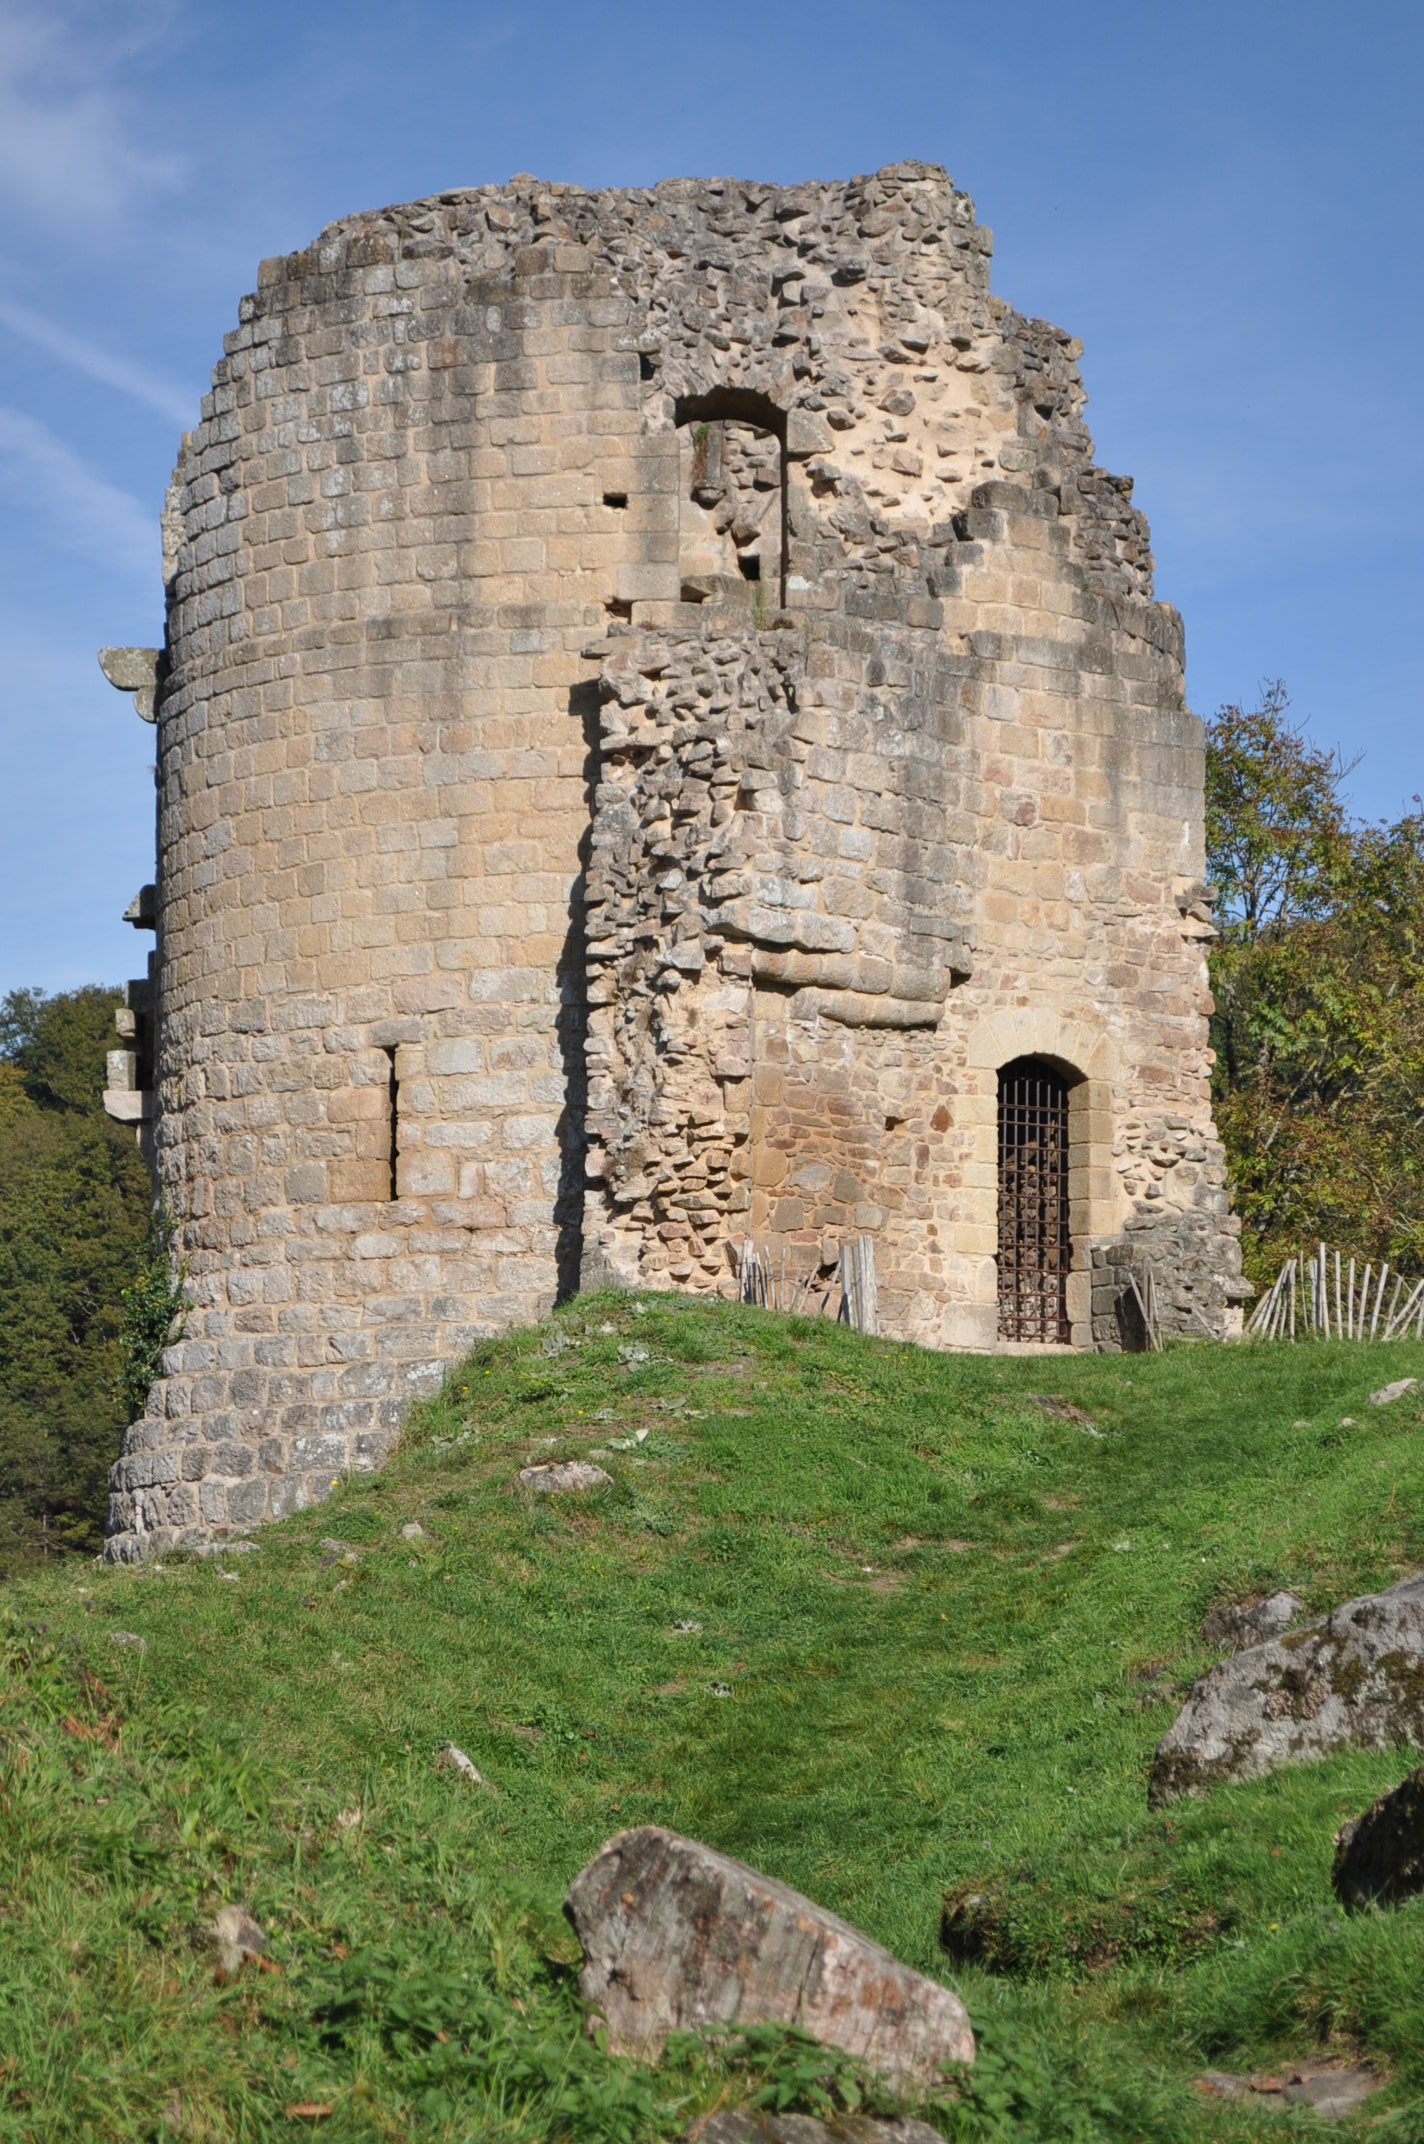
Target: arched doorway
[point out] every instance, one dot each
(1035, 1247)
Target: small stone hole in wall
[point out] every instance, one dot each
(615, 498)
(647, 370)
(750, 568)
(393, 1108)
(616, 607)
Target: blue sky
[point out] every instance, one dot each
(1223, 201)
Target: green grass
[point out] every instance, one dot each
(863, 1616)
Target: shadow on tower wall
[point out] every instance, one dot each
(571, 1024)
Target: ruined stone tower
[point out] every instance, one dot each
(665, 739)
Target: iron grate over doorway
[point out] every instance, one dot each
(1035, 1250)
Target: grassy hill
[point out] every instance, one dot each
(868, 1618)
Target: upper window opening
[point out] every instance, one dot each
(732, 497)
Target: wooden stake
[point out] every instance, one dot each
(1389, 1318)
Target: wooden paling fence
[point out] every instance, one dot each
(1144, 1294)
(765, 1280)
(1322, 1297)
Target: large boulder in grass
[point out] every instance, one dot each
(1379, 1857)
(678, 1938)
(1354, 1678)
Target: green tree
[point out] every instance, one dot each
(1317, 972)
(74, 1218)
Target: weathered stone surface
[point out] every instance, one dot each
(333, 1551)
(237, 1937)
(1396, 1391)
(134, 670)
(1062, 1411)
(971, 1922)
(1254, 1624)
(451, 1758)
(1379, 1856)
(1329, 2091)
(1356, 1676)
(677, 1937)
(567, 1477)
(684, 714)
(746, 2125)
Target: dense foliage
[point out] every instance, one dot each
(154, 1315)
(74, 1214)
(1319, 1024)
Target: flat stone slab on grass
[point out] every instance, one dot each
(1379, 1857)
(1396, 1391)
(1329, 2089)
(1354, 1678)
(679, 1938)
(752, 2125)
(564, 1477)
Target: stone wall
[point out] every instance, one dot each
(659, 705)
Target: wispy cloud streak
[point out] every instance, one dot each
(141, 384)
(72, 150)
(58, 492)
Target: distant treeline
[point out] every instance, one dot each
(1319, 1039)
(1319, 1021)
(74, 1221)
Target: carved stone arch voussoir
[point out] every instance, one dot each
(1039, 1031)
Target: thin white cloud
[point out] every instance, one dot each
(75, 149)
(56, 489)
(152, 389)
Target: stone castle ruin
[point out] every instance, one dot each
(665, 740)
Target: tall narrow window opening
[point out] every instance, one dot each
(732, 525)
(393, 1116)
(1035, 1248)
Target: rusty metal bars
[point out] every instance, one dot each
(1035, 1249)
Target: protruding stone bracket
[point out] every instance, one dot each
(135, 670)
(142, 911)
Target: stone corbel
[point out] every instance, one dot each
(1195, 903)
(134, 670)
